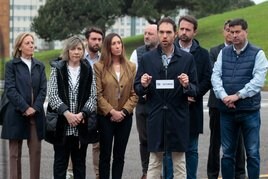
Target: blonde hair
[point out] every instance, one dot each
(71, 43)
(18, 42)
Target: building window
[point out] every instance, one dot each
(116, 31)
(122, 33)
(122, 21)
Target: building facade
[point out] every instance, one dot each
(128, 26)
(21, 16)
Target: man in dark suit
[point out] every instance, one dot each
(213, 164)
(186, 33)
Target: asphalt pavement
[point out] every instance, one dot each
(132, 168)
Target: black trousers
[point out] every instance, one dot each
(78, 154)
(213, 164)
(113, 138)
(141, 122)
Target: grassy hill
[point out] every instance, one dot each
(210, 28)
(46, 57)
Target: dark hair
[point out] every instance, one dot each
(190, 19)
(93, 29)
(167, 20)
(226, 23)
(106, 54)
(239, 22)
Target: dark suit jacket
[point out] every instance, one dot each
(213, 54)
(203, 68)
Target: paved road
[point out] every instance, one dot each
(132, 169)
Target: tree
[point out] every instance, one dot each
(153, 10)
(59, 19)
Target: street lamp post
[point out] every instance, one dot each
(133, 26)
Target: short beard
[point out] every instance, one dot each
(185, 39)
(92, 49)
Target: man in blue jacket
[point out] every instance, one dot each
(237, 78)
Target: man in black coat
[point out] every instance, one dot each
(187, 30)
(213, 164)
(167, 76)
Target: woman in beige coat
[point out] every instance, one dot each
(116, 101)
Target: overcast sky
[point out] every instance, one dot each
(259, 1)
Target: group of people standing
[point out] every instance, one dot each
(82, 82)
(165, 80)
(171, 84)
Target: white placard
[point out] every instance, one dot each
(164, 84)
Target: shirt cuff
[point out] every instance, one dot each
(223, 95)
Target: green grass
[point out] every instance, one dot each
(2, 65)
(210, 28)
(132, 43)
(46, 57)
